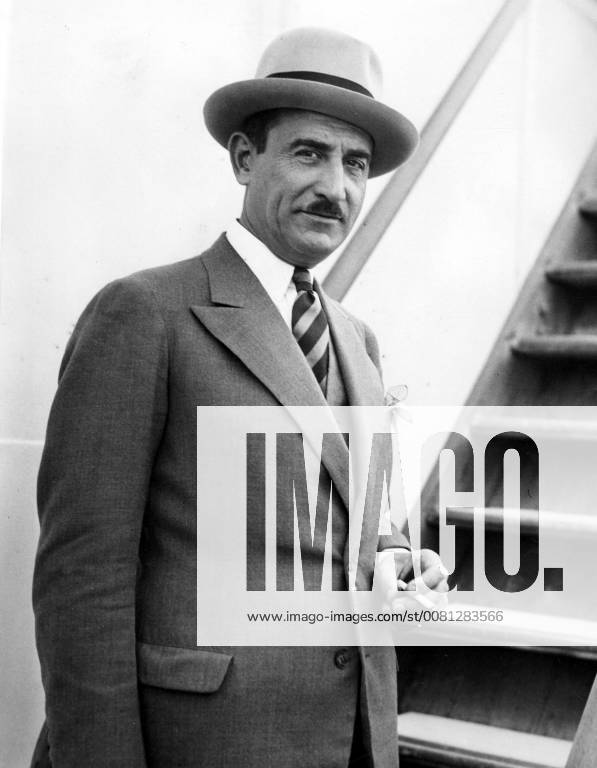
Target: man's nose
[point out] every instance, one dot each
(332, 181)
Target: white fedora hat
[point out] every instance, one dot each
(321, 71)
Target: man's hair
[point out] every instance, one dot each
(257, 126)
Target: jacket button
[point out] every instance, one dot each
(341, 658)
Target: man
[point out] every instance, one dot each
(242, 324)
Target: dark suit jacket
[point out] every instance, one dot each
(114, 585)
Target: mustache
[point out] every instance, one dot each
(325, 207)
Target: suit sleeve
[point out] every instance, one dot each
(397, 539)
(104, 429)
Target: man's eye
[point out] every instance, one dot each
(357, 163)
(308, 153)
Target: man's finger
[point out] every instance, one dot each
(432, 578)
(412, 601)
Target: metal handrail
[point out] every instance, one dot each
(358, 251)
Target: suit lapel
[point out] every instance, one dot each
(243, 317)
(363, 388)
(359, 374)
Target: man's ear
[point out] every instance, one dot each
(242, 152)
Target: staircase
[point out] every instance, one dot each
(468, 706)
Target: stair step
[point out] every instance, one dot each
(588, 206)
(555, 523)
(568, 346)
(434, 740)
(522, 629)
(582, 429)
(578, 274)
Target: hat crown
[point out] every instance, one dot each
(326, 52)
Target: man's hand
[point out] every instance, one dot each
(420, 572)
(421, 567)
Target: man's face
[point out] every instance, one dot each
(305, 190)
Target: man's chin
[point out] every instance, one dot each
(313, 249)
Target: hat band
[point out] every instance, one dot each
(321, 77)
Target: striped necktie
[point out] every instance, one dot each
(310, 326)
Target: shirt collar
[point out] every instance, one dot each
(274, 274)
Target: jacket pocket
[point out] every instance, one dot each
(181, 669)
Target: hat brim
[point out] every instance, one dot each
(395, 138)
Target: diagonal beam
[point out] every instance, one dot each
(357, 252)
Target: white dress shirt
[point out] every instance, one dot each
(274, 274)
